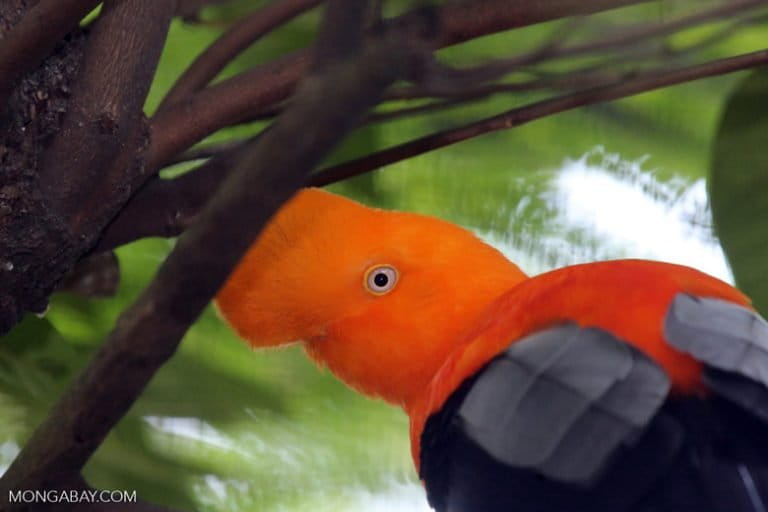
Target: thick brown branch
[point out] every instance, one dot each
(167, 207)
(244, 33)
(147, 334)
(91, 166)
(462, 21)
(96, 275)
(244, 96)
(226, 103)
(522, 115)
(33, 38)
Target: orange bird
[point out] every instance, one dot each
(623, 385)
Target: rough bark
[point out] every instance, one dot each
(35, 35)
(71, 147)
(35, 245)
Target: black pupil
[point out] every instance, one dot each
(381, 280)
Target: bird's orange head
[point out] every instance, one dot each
(379, 297)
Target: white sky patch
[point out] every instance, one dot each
(215, 491)
(396, 495)
(8, 451)
(627, 213)
(193, 429)
(642, 215)
(399, 496)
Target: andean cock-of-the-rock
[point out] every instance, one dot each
(615, 386)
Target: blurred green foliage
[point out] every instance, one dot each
(739, 185)
(223, 428)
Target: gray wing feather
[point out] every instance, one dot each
(562, 401)
(720, 334)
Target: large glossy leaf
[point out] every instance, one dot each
(738, 185)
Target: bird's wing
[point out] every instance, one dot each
(731, 340)
(561, 402)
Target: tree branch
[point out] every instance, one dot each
(226, 103)
(167, 207)
(631, 35)
(244, 96)
(591, 76)
(96, 275)
(35, 36)
(244, 33)
(265, 176)
(462, 21)
(91, 166)
(518, 116)
(452, 82)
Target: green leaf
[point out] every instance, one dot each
(738, 184)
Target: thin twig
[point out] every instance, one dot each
(442, 80)
(456, 79)
(715, 38)
(581, 79)
(628, 36)
(518, 116)
(243, 34)
(591, 76)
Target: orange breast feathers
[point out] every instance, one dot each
(628, 298)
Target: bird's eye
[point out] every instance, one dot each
(380, 279)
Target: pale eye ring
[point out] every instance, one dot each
(380, 279)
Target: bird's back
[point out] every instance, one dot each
(585, 412)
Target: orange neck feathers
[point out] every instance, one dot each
(314, 276)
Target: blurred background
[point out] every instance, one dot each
(223, 428)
